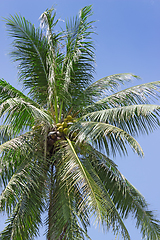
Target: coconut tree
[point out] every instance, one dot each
(56, 141)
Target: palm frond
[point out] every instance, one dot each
(13, 152)
(21, 114)
(19, 149)
(101, 206)
(24, 187)
(134, 119)
(78, 64)
(23, 194)
(140, 94)
(18, 142)
(104, 135)
(113, 218)
(21, 225)
(73, 170)
(53, 57)
(48, 22)
(8, 91)
(6, 132)
(9, 163)
(30, 49)
(107, 85)
(65, 220)
(127, 199)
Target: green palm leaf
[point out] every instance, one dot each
(128, 199)
(21, 114)
(24, 192)
(54, 59)
(111, 218)
(105, 86)
(30, 49)
(140, 94)
(97, 201)
(7, 91)
(107, 136)
(25, 188)
(134, 119)
(65, 216)
(83, 179)
(78, 63)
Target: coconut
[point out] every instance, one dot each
(65, 131)
(69, 118)
(59, 125)
(64, 124)
(60, 129)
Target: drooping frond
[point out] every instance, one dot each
(6, 133)
(66, 220)
(127, 199)
(24, 172)
(107, 85)
(140, 94)
(79, 176)
(112, 218)
(22, 224)
(105, 135)
(18, 142)
(23, 200)
(8, 91)
(134, 119)
(15, 151)
(75, 173)
(21, 114)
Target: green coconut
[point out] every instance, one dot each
(69, 118)
(64, 124)
(65, 131)
(59, 125)
(60, 129)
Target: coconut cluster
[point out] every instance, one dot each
(67, 122)
(57, 132)
(60, 130)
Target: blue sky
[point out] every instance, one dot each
(127, 40)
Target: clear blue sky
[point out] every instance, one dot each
(128, 40)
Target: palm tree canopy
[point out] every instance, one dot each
(57, 141)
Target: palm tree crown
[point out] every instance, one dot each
(57, 140)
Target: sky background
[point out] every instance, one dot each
(127, 40)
